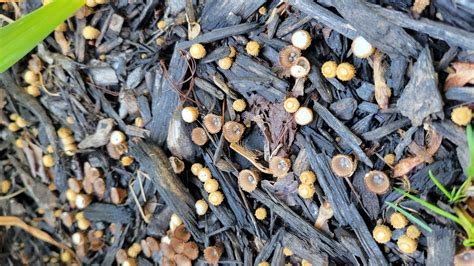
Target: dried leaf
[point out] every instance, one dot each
(382, 91)
(406, 165)
(464, 74)
(41, 235)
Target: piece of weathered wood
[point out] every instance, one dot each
(154, 162)
(385, 130)
(110, 213)
(441, 246)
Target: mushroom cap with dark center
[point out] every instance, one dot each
(248, 180)
(279, 166)
(288, 55)
(466, 257)
(343, 165)
(213, 123)
(377, 182)
(233, 131)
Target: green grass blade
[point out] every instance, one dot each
(410, 217)
(429, 206)
(20, 37)
(440, 186)
(470, 144)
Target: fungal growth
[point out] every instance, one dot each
(233, 131)
(239, 105)
(248, 180)
(329, 69)
(300, 68)
(197, 51)
(189, 114)
(253, 48)
(288, 55)
(382, 234)
(377, 182)
(213, 123)
(398, 220)
(291, 105)
(343, 165)
(212, 254)
(279, 166)
(406, 244)
(304, 116)
(361, 47)
(301, 39)
(345, 71)
(462, 116)
(199, 136)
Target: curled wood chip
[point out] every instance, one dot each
(464, 73)
(382, 91)
(194, 29)
(406, 165)
(41, 235)
(249, 156)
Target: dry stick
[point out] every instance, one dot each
(15, 221)
(382, 91)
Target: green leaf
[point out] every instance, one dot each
(430, 206)
(410, 217)
(18, 38)
(470, 144)
(440, 186)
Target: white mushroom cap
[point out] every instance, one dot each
(361, 47)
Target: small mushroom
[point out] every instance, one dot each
(301, 39)
(189, 114)
(204, 174)
(212, 254)
(182, 260)
(398, 220)
(261, 213)
(126, 160)
(213, 123)
(329, 69)
(90, 33)
(343, 165)
(291, 105)
(197, 51)
(361, 47)
(233, 131)
(248, 180)
(345, 71)
(307, 177)
(116, 137)
(306, 191)
(195, 168)
(201, 207)
(225, 63)
(199, 136)
(279, 166)
(118, 195)
(389, 159)
(406, 244)
(462, 116)
(239, 105)
(211, 185)
(377, 182)
(300, 68)
(382, 234)
(252, 48)
(464, 258)
(48, 160)
(304, 116)
(83, 200)
(325, 213)
(413, 232)
(288, 55)
(177, 164)
(191, 250)
(216, 198)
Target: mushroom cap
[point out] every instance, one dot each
(216, 198)
(307, 177)
(464, 258)
(377, 182)
(389, 158)
(461, 115)
(406, 244)
(204, 174)
(182, 260)
(239, 105)
(301, 39)
(201, 207)
(279, 166)
(343, 165)
(382, 234)
(248, 180)
(90, 33)
(199, 136)
(304, 116)
(195, 168)
(213, 123)
(287, 56)
(189, 114)
(191, 250)
(197, 51)
(413, 232)
(261, 213)
(252, 48)
(291, 105)
(306, 191)
(212, 254)
(233, 131)
(177, 165)
(329, 69)
(225, 63)
(300, 68)
(345, 71)
(398, 220)
(181, 233)
(116, 137)
(211, 185)
(361, 47)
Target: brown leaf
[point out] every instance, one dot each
(382, 91)
(406, 165)
(464, 74)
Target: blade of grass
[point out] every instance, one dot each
(21, 36)
(410, 217)
(430, 206)
(470, 144)
(440, 186)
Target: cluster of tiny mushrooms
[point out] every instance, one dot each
(298, 66)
